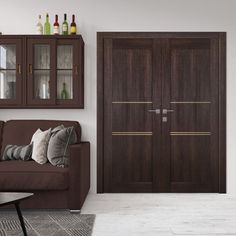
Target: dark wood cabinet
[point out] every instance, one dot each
(41, 71)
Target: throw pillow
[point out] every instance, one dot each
(61, 138)
(40, 141)
(14, 152)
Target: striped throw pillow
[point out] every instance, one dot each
(14, 152)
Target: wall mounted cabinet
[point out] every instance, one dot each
(41, 71)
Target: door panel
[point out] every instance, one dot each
(190, 162)
(190, 73)
(132, 163)
(190, 117)
(131, 117)
(161, 113)
(128, 70)
(191, 129)
(132, 73)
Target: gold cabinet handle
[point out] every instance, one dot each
(76, 69)
(30, 68)
(19, 68)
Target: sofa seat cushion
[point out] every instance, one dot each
(29, 175)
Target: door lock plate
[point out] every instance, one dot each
(164, 119)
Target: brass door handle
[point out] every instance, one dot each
(165, 111)
(157, 111)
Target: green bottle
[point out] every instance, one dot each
(64, 93)
(65, 26)
(47, 27)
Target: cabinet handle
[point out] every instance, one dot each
(30, 68)
(19, 68)
(76, 70)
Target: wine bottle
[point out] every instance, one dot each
(64, 93)
(56, 29)
(73, 25)
(47, 26)
(65, 26)
(39, 26)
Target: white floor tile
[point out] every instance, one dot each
(162, 214)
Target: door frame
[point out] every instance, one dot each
(221, 36)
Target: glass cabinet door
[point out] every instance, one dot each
(40, 72)
(65, 72)
(10, 71)
(68, 72)
(54, 74)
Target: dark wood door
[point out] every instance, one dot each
(129, 133)
(161, 111)
(190, 122)
(10, 71)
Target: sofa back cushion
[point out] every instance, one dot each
(19, 132)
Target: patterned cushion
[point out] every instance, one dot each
(14, 152)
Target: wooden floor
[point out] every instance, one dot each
(162, 214)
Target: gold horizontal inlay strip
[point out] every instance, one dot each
(200, 102)
(131, 133)
(190, 133)
(126, 102)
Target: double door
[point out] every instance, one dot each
(161, 114)
(41, 71)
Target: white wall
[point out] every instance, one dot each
(19, 17)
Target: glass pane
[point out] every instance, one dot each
(7, 84)
(64, 56)
(41, 57)
(41, 84)
(7, 56)
(64, 84)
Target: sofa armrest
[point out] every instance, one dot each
(79, 174)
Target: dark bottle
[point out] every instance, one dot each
(73, 25)
(56, 29)
(64, 93)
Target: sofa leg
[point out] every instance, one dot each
(75, 211)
